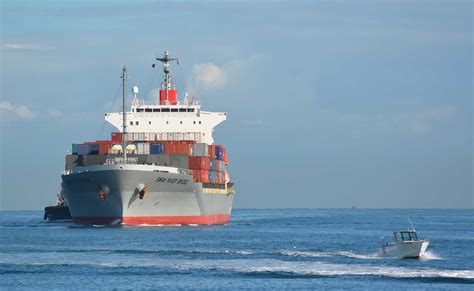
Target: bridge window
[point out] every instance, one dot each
(190, 109)
(156, 109)
(174, 110)
(148, 110)
(182, 110)
(165, 110)
(140, 110)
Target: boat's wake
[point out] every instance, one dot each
(430, 255)
(348, 254)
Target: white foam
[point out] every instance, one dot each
(430, 255)
(348, 254)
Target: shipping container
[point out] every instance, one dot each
(223, 177)
(116, 137)
(143, 148)
(157, 148)
(200, 150)
(159, 160)
(212, 151)
(199, 163)
(86, 149)
(178, 148)
(201, 176)
(219, 152)
(179, 161)
(212, 177)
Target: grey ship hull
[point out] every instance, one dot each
(170, 196)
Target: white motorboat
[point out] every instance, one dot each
(405, 245)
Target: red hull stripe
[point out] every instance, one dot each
(136, 220)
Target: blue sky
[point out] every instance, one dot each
(330, 103)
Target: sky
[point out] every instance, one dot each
(330, 103)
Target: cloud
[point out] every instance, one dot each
(22, 46)
(6, 105)
(209, 76)
(8, 110)
(54, 112)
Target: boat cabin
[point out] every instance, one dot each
(405, 235)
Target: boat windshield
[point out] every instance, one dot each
(405, 236)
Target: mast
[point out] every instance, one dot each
(167, 60)
(124, 121)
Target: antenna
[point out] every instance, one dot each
(124, 124)
(411, 224)
(166, 60)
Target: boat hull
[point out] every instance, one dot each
(168, 198)
(406, 249)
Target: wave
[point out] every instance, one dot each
(348, 254)
(430, 255)
(265, 268)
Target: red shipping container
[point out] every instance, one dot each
(212, 151)
(199, 163)
(170, 149)
(104, 148)
(116, 136)
(201, 176)
(222, 177)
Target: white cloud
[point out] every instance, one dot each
(6, 105)
(209, 76)
(22, 46)
(9, 110)
(54, 112)
(23, 112)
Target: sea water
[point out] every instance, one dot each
(268, 248)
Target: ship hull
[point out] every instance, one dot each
(168, 198)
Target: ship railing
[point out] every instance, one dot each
(121, 161)
(185, 171)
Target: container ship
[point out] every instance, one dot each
(160, 167)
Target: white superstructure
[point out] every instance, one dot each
(167, 119)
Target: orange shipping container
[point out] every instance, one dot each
(201, 176)
(199, 163)
(116, 136)
(212, 151)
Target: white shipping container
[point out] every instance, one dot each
(143, 148)
(200, 150)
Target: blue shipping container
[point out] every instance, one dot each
(212, 177)
(157, 149)
(219, 153)
(74, 149)
(87, 149)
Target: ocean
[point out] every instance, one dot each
(259, 248)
